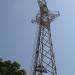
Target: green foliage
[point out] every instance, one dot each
(11, 68)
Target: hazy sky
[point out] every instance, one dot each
(17, 33)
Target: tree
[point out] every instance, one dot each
(11, 68)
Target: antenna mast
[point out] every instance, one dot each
(43, 58)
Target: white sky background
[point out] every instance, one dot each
(17, 33)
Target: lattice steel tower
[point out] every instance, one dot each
(43, 57)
